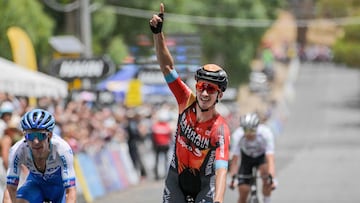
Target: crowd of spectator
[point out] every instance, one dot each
(85, 126)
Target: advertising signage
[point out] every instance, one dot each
(68, 69)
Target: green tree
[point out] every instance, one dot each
(230, 46)
(235, 47)
(346, 48)
(29, 16)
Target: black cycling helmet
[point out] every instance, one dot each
(38, 119)
(250, 121)
(213, 73)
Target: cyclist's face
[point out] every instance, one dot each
(250, 133)
(38, 141)
(207, 93)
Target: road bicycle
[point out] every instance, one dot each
(253, 195)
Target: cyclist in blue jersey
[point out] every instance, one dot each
(49, 160)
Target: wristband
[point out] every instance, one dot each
(172, 76)
(158, 28)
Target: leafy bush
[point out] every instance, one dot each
(346, 50)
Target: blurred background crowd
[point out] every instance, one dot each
(86, 129)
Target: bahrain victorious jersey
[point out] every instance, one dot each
(59, 165)
(199, 145)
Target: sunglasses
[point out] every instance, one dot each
(39, 135)
(210, 88)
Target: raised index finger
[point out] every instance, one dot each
(162, 8)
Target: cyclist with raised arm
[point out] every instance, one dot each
(49, 159)
(252, 146)
(199, 165)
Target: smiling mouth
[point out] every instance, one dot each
(205, 99)
(37, 148)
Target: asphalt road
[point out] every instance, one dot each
(318, 152)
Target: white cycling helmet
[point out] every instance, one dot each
(250, 121)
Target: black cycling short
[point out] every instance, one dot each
(247, 163)
(173, 192)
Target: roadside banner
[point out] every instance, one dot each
(120, 169)
(89, 177)
(105, 167)
(133, 97)
(22, 48)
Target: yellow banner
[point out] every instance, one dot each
(22, 48)
(133, 97)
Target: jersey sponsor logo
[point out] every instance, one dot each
(63, 160)
(194, 150)
(187, 130)
(252, 148)
(167, 193)
(173, 163)
(12, 180)
(16, 164)
(211, 192)
(210, 163)
(69, 182)
(221, 141)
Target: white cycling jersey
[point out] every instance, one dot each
(59, 165)
(263, 143)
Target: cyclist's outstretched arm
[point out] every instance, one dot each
(10, 194)
(71, 195)
(164, 57)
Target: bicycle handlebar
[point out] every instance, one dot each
(268, 178)
(251, 176)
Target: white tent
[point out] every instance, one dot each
(19, 81)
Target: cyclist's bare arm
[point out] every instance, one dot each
(234, 165)
(164, 57)
(220, 184)
(270, 159)
(10, 194)
(71, 195)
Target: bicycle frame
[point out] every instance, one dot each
(253, 196)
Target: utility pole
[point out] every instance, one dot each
(85, 26)
(302, 9)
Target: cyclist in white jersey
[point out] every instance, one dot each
(252, 146)
(49, 159)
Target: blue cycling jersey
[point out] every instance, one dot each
(50, 184)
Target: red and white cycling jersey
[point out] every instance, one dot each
(198, 144)
(262, 144)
